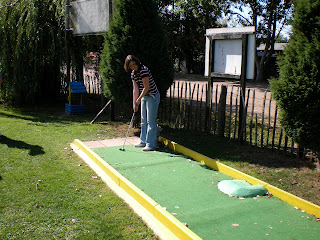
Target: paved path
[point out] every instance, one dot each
(112, 142)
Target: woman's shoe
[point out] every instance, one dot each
(140, 145)
(146, 148)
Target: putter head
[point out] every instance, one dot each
(122, 149)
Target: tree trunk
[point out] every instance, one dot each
(260, 72)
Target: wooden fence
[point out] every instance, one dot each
(92, 81)
(186, 106)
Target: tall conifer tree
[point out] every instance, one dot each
(136, 29)
(297, 90)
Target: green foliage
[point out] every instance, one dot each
(135, 29)
(297, 90)
(31, 50)
(186, 23)
(269, 18)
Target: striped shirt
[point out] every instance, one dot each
(143, 72)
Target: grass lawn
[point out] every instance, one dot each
(46, 191)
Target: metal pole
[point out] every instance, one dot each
(67, 40)
(243, 78)
(209, 89)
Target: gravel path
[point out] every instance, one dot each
(261, 91)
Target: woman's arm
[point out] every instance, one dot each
(135, 96)
(145, 90)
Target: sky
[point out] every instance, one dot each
(285, 32)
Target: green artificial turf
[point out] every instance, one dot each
(188, 190)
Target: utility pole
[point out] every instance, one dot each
(67, 36)
(243, 78)
(209, 90)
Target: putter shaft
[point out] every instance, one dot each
(128, 130)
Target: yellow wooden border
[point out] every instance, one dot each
(293, 200)
(170, 222)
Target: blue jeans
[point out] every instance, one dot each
(149, 112)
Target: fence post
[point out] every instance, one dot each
(215, 110)
(243, 127)
(274, 127)
(243, 78)
(230, 116)
(262, 120)
(252, 112)
(200, 109)
(209, 90)
(222, 111)
(236, 116)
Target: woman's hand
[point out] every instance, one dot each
(136, 104)
(135, 107)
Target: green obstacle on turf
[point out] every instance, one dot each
(240, 188)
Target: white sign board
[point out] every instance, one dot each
(88, 17)
(227, 56)
(227, 53)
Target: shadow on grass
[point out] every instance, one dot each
(227, 150)
(45, 115)
(11, 143)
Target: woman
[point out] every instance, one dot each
(145, 92)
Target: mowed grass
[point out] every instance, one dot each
(46, 191)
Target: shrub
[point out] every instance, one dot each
(31, 50)
(297, 90)
(136, 29)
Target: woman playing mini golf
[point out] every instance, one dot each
(146, 94)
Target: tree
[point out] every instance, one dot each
(297, 90)
(269, 17)
(186, 23)
(31, 50)
(136, 29)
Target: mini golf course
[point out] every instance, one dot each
(173, 186)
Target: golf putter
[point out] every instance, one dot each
(131, 122)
